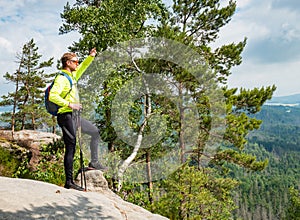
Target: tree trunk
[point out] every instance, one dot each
(110, 144)
(23, 114)
(127, 162)
(181, 132)
(15, 99)
(149, 175)
(129, 159)
(33, 113)
(14, 107)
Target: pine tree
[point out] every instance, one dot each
(30, 82)
(12, 98)
(194, 24)
(293, 211)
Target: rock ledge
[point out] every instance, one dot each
(29, 199)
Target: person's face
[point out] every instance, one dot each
(73, 63)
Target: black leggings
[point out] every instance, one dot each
(68, 124)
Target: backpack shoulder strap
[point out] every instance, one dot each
(70, 81)
(68, 77)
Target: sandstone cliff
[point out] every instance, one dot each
(29, 199)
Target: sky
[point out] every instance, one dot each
(271, 56)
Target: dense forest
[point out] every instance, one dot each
(265, 194)
(280, 129)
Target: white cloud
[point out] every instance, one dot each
(272, 53)
(22, 20)
(243, 3)
(259, 20)
(284, 77)
(289, 32)
(9, 9)
(292, 5)
(5, 44)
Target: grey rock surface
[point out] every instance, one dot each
(95, 181)
(29, 199)
(27, 140)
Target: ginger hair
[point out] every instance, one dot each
(66, 57)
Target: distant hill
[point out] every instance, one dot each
(265, 194)
(291, 99)
(280, 130)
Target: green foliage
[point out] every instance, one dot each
(23, 170)
(280, 129)
(8, 163)
(190, 193)
(264, 194)
(105, 23)
(249, 101)
(13, 159)
(243, 159)
(29, 81)
(137, 194)
(278, 135)
(293, 211)
(51, 168)
(201, 19)
(240, 107)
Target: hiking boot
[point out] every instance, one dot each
(73, 186)
(97, 166)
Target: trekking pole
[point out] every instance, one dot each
(83, 178)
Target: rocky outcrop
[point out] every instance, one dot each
(95, 181)
(29, 199)
(27, 137)
(27, 140)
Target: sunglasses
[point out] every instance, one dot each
(75, 61)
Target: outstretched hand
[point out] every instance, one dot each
(93, 52)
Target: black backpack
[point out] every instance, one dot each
(51, 107)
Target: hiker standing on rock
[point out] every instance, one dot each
(66, 117)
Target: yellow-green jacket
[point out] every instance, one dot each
(61, 87)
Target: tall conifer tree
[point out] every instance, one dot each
(195, 24)
(30, 82)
